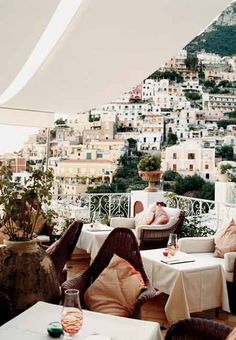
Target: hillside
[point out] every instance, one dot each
(220, 37)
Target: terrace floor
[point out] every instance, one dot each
(152, 310)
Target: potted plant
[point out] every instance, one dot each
(224, 175)
(27, 273)
(149, 170)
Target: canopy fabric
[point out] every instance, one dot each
(27, 118)
(22, 22)
(110, 46)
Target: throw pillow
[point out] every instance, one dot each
(161, 216)
(145, 217)
(225, 239)
(116, 289)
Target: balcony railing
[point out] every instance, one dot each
(84, 206)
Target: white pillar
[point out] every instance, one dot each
(146, 198)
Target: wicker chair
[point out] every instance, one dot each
(61, 250)
(120, 241)
(158, 238)
(197, 329)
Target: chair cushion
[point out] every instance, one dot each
(116, 289)
(225, 239)
(146, 216)
(161, 216)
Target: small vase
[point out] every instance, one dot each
(151, 177)
(27, 275)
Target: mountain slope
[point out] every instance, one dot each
(220, 37)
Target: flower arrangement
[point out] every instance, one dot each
(149, 163)
(21, 206)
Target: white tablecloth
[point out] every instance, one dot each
(91, 241)
(32, 325)
(192, 287)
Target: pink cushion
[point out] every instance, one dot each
(161, 216)
(225, 239)
(145, 217)
(116, 289)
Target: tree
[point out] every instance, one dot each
(192, 95)
(60, 121)
(170, 175)
(226, 152)
(171, 75)
(172, 138)
(191, 62)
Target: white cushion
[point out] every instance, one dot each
(229, 261)
(122, 222)
(172, 212)
(43, 238)
(166, 226)
(197, 244)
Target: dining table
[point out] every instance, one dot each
(32, 325)
(193, 282)
(92, 238)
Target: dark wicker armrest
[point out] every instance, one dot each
(196, 329)
(81, 283)
(145, 295)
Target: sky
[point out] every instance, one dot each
(12, 137)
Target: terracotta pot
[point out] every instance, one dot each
(151, 177)
(27, 275)
(223, 178)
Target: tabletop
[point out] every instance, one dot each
(91, 239)
(192, 287)
(32, 325)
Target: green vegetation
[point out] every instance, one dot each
(191, 186)
(225, 122)
(192, 95)
(172, 139)
(171, 75)
(226, 152)
(189, 228)
(225, 167)
(125, 179)
(220, 40)
(149, 163)
(191, 62)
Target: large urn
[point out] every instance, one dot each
(27, 275)
(152, 177)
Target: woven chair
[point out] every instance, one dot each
(61, 250)
(6, 312)
(122, 242)
(197, 329)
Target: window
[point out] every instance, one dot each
(174, 167)
(190, 167)
(206, 166)
(174, 155)
(144, 139)
(99, 155)
(191, 156)
(207, 176)
(89, 155)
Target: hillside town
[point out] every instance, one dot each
(185, 111)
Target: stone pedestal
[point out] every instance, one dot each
(145, 198)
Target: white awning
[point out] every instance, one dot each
(22, 23)
(110, 46)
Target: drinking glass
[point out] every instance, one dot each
(96, 219)
(72, 315)
(172, 244)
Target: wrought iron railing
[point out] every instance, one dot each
(84, 206)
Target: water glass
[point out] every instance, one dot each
(172, 244)
(72, 315)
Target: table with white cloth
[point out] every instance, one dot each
(192, 287)
(32, 325)
(91, 239)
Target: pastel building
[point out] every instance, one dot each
(190, 157)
